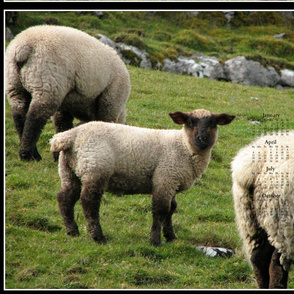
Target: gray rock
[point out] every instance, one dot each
(183, 65)
(287, 78)
(141, 55)
(105, 40)
(211, 66)
(247, 72)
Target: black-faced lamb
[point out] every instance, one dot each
(263, 191)
(65, 73)
(98, 157)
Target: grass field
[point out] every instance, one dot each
(39, 254)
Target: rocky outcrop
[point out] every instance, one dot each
(237, 70)
(247, 72)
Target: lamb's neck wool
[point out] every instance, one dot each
(199, 160)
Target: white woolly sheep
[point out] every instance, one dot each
(98, 157)
(65, 73)
(263, 191)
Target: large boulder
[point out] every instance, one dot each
(287, 78)
(198, 65)
(211, 67)
(247, 72)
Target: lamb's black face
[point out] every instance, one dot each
(201, 126)
(203, 131)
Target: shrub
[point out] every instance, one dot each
(215, 18)
(162, 36)
(275, 47)
(194, 40)
(130, 39)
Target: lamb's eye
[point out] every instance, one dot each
(213, 125)
(194, 122)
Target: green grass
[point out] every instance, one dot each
(39, 254)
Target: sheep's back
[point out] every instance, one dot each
(70, 56)
(126, 155)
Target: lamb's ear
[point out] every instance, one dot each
(223, 118)
(179, 117)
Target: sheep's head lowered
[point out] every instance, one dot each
(201, 126)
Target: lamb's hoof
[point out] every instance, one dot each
(155, 242)
(100, 240)
(171, 239)
(28, 155)
(73, 233)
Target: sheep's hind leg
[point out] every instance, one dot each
(168, 230)
(107, 111)
(91, 198)
(63, 121)
(19, 113)
(261, 258)
(20, 102)
(278, 276)
(67, 198)
(37, 116)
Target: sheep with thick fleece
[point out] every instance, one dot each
(263, 191)
(99, 156)
(65, 73)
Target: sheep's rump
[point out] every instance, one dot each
(72, 66)
(263, 191)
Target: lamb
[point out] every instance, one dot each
(263, 191)
(98, 157)
(65, 73)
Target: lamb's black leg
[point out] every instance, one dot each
(260, 259)
(278, 276)
(161, 204)
(63, 121)
(67, 198)
(168, 230)
(91, 197)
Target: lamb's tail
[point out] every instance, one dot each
(63, 141)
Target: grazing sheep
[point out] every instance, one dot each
(65, 73)
(263, 190)
(98, 157)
